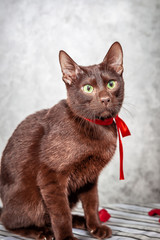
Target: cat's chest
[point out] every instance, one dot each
(93, 158)
(86, 171)
(102, 146)
(86, 153)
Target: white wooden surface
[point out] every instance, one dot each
(128, 222)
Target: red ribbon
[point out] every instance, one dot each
(122, 129)
(105, 122)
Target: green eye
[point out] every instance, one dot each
(88, 89)
(111, 84)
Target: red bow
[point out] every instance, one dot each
(122, 129)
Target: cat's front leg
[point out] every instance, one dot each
(53, 188)
(90, 203)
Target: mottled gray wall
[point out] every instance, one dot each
(31, 34)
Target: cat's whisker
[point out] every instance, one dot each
(130, 105)
(127, 111)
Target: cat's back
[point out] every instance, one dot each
(25, 142)
(23, 135)
(24, 145)
(21, 157)
(18, 149)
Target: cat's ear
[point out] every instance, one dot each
(114, 58)
(69, 68)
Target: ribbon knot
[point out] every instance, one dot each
(122, 129)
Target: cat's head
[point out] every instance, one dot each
(95, 91)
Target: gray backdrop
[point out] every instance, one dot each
(31, 34)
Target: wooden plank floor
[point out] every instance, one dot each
(128, 222)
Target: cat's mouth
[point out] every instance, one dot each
(105, 115)
(101, 118)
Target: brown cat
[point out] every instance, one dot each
(54, 157)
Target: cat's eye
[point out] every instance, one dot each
(111, 84)
(88, 88)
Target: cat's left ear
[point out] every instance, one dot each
(114, 58)
(69, 68)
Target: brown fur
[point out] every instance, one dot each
(54, 157)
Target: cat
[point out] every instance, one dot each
(55, 156)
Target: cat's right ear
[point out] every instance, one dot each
(69, 68)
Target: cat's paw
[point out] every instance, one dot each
(46, 235)
(43, 237)
(101, 232)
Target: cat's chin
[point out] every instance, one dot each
(102, 118)
(105, 115)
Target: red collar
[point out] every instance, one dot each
(122, 129)
(107, 121)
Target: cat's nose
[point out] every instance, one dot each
(105, 100)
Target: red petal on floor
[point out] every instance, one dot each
(104, 215)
